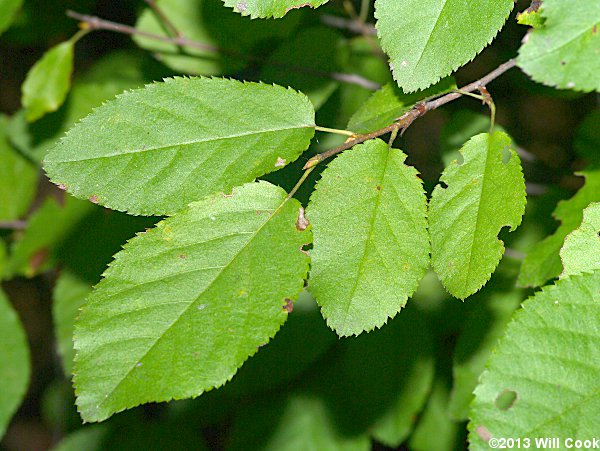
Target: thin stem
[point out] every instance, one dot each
(393, 137)
(169, 25)
(420, 109)
(334, 130)
(364, 10)
(80, 34)
(96, 23)
(14, 225)
(300, 182)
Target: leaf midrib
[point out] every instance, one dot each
(367, 241)
(217, 276)
(185, 143)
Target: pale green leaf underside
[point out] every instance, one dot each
(182, 305)
(269, 8)
(549, 357)
(565, 51)
(48, 82)
(156, 149)
(427, 40)
(371, 246)
(8, 8)
(543, 263)
(483, 194)
(14, 362)
(581, 251)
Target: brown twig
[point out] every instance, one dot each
(404, 121)
(170, 26)
(96, 23)
(13, 225)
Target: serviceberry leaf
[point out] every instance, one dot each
(182, 306)
(152, 151)
(483, 194)
(371, 246)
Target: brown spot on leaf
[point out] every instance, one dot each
(301, 223)
(37, 260)
(280, 162)
(595, 29)
(378, 187)
(182, 256)
(62, 186)
(304, 251)
(289, 305)
(94, 199)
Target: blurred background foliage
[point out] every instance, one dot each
(408, 385)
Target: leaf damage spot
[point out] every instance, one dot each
(304, 250)
(62, 186)
(94, 199)
(280, 162)
(241, 7)
(297, 7)
(301, 223)
(404, 63)
(378, 187)
(137, 365)
(483, 433)
(289, 305)
(201, 307)
(182, 256)
(506, 399)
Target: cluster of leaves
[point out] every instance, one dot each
(189, 299)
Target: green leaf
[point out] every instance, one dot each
(379, 382)
(70, 293)
(484, 193)
(371, 246)
(36, 250)
(48, 81)
(154, 150)
(543, 263)
(530, 18)
(111, 75)
(427, 40)
(269, 8)
(587, 138)
(321, 51)
(547, 363)
(483, 326)
(389, 103)
(303, 340)
(8, 9)
(212, 25)
(182, 307)
(581, 251)
(298, 422)
(14, 362)
(18, 181)
(564, 53)
(435, 430)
